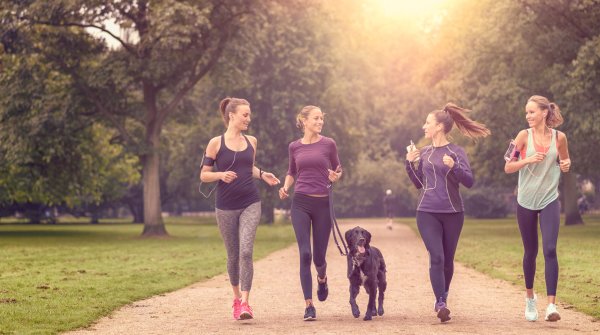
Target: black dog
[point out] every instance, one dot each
(365, 267)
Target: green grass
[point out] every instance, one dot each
(59, 277)
(494, 247)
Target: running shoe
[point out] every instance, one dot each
(443, 313)
(237, 308)
(322, 290)
(551, 313)
(246, 312)
(310, 313)
(531, 313)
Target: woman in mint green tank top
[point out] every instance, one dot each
(541, 155)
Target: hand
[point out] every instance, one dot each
(565, 164)
(448, 161)
(270, 179)
(283, 193)
(413, 155)
(334, 176)
(538, 157)
(228, 176)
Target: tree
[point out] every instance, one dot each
(48, 155)
(504, 52)
(291, 64)
(136, 87)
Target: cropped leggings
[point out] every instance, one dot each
(440, 233)
(310, 212)
(549, 218)
(238, 229)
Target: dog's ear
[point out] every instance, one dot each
(347, 236)
(368, 239)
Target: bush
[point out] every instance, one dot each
(485, 203)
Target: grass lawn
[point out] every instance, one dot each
(59, 277)
(494, 247)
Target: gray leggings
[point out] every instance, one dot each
(549, 219)
(238, 229)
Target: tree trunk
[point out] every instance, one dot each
(153, 223)
(572, 216)
(268, 205)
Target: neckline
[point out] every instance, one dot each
(319, 140)
(545, 148)
(228, 148)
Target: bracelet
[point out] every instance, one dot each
(260, 173)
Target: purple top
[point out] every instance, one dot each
(440, 183)
(309, 164)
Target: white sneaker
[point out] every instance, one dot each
(531, 313)
(551, 313)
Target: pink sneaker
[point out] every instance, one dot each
(237, 308)
(246, 312)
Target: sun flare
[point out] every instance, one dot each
(409, 8)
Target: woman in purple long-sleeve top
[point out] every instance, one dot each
(314, 165)
(441, 167)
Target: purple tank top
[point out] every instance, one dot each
(309, 164)
(242, 192)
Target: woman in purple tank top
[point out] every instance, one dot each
(238, 203)
(441, 167)
(314, 165)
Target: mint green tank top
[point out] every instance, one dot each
(538, 183)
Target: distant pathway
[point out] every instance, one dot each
(479, 304)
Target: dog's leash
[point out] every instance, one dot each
(334, 225)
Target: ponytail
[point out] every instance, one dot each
(230, 105)
(451, 114)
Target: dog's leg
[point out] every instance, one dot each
(354, 289)
(371, 288)
(382, 283)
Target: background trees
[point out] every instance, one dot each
(90, 117)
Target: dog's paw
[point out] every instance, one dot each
(367, 317)
(380, 311)
(355, 311)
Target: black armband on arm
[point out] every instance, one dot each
(208, 161)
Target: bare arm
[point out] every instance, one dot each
(283, 191)
(514, 164)
(207, 175)
(258, 173)
(563, 152)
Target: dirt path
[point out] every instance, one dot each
(479, 304)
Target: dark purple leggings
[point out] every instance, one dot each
(310, 212)
(549, 223)
(440, 233)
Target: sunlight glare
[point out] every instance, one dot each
(409, 8)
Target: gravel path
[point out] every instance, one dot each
(479, 304)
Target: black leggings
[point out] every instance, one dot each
(310, 211)
(440, 233)
(549, 223)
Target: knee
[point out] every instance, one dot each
(305, 258)
(246, 256)
(550, 252)
(436, 260)
(530, 253)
